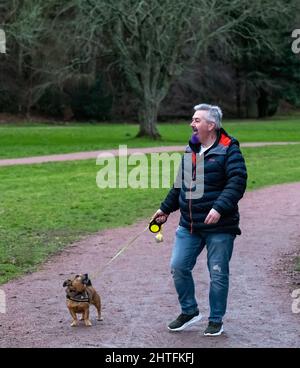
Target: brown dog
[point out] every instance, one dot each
(80, 294)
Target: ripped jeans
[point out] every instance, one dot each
(187, 248)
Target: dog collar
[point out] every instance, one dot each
(78, 297)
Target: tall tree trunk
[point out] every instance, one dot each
(20, 77)
(238, 92)
(247, 97)
(147, 120)
(262, 103)
(29, 102)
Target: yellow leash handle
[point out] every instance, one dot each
(154, 226)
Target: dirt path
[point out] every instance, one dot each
(138, 294)
(104, 153)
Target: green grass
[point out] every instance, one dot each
(34, 140)
(272, 165)
(45, 207)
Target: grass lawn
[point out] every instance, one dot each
(45, 207)
(34, 140)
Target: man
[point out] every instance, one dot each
(211, 219)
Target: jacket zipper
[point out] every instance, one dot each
(194, 158)
(190, 207)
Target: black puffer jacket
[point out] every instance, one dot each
(225, 178)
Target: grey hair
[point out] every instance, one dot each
(214, 113)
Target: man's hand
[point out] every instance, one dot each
(213, 217)
(160, 217)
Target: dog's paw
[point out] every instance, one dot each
(88, 323)
(100, 319)
(74, 324)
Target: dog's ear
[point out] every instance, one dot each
(67, 283)
(86, 281)
(89, 282)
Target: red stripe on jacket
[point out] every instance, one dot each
(224, 140)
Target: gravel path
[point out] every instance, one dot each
(138, 294)
(105, 153)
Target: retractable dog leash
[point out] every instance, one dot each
(156, 228)
(153, 226)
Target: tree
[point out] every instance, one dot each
(154, 41)
(24, 24)
(260, 56)
(42, 53)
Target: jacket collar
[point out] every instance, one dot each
(220, 146)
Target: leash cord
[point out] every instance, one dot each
(128, 244)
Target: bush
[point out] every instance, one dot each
(91, 102)
(50, 103)
(8, 101)
(79, 101)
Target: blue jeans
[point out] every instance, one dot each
(187, 248)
